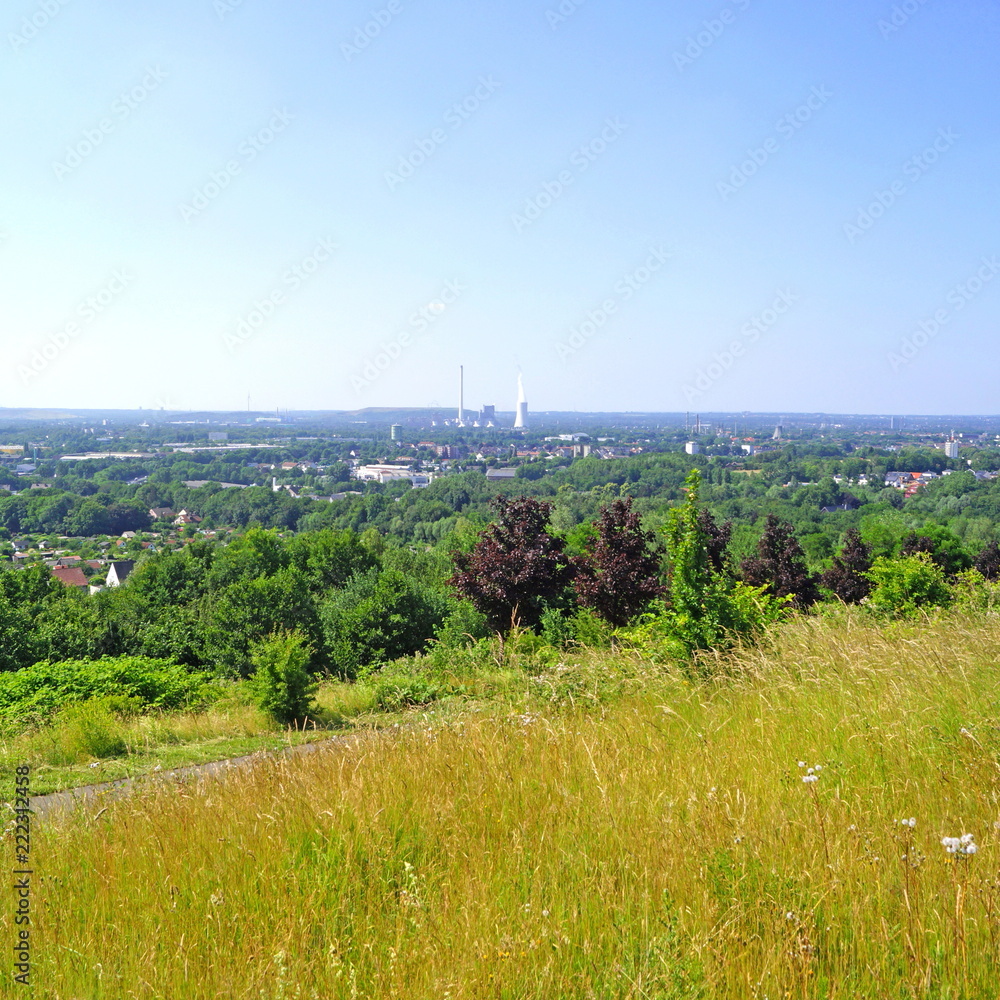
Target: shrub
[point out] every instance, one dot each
(582, 628)
(45, 687)
(464, 626)
(394, 691)
(904, 587)
(281, 683)
(379, 617)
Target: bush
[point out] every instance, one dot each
(730, 613)
(45, 687)
(397, 691)
(905, 587)
(379, 617)
(582, 628)
(974, 592)
(464, 626)
(282, 684)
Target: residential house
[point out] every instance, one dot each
(70, 576)
(119, 571)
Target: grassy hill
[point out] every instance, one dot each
(602, 828)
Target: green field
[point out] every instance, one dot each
(596, 827)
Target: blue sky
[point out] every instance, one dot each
(762, 204)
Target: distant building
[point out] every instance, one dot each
(951, 448)
(382, 473)
(119, 571)
(396, 432)
(494, 474)
(70, 576)
(692, 448)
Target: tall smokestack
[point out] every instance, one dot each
(521, 420)
(461, 394)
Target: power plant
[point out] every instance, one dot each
(487, 415)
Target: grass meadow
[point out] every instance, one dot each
(609, 829)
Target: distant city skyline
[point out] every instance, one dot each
(767, 207)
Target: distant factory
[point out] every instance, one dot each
(487, 415)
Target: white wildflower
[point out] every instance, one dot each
(962, 846)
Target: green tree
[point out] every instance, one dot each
(906, 586)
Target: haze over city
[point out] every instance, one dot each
(716, 207)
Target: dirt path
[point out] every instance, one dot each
(103, 792)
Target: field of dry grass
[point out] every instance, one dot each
(649, 837)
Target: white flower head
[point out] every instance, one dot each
(810, 778)
(961, 846)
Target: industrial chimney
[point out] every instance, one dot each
(521, 420)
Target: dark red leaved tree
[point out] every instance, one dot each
(988, 561)
(619, 574)
(515, 566)
(780, 565)
(716, 539)
(846, 577)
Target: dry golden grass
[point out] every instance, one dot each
(660, 843)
